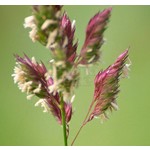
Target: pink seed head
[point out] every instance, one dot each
(107, 87)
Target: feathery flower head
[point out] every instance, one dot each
(90, 52)
(107, 87)
(68, 30)
(63, 47)
(32, 77)
(44, 23)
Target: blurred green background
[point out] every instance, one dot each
(23, 124)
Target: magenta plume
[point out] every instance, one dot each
(90, 52)
(68, 30)
(33, 79)
(107, 87)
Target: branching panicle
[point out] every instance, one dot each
(55, 87)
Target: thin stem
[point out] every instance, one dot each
(63, 116)
(77, 134)
(84, 123)
(88, 112)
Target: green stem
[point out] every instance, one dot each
(83, 124)
(63, 116)
(77, 134)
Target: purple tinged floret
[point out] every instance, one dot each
(68, 30)
(107, 87)
(90, 52)
(33, 79)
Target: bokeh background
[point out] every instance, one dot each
(23, 124)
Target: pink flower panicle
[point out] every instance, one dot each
(55, 87)
(32, 78)
(68, 30)
(94, 37)
(107, 87)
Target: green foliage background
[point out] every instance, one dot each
(23, 124)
